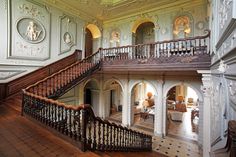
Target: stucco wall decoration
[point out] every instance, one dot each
(5, 74)
(232, 93)
(31, 30)
(68, 31)
(30, 36)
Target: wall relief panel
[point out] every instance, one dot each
(225, 14)
(68, 33)
(216, 110)
(30, 30)
(232, 93)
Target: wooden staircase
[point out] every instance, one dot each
(79, 123)
(23, 137)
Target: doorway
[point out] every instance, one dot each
(88, 43)
(182, 106)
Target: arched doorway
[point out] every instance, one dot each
(142, 106)
(88, 42)
(145, 33)
(92, 39)
(113, 100)
(91, 95)
(182, 106)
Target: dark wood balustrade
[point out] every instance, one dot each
(180, 52)
(79, 123)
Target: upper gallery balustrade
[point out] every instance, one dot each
(184, 54)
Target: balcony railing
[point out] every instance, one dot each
(194, 46)
(79, 123)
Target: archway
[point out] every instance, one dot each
(92, 39)
(88, 42)
(143, 33)
(113, 100)
(91, 94)
(142, 105)
(182, 106)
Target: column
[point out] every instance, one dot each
(160, 111)
(206, 112)
(126, 105)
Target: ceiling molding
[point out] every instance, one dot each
(166, 8)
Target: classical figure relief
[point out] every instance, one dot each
(182, 27)
(67, 38)
(32, 32)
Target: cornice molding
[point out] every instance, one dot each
(167, 8)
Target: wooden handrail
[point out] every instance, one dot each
(80, 122)
(76, 121)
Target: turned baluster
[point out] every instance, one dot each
(74, 72)
(47, 113)
(118, 138)
(50, 114)
(84, 130)
(99, 135)
(74, 133)
(94, 134)
(103, 136)
(66, 129)
(123, 136)
(40, 111)
(54, 115)
(89, 123)
(70, 122)
(46, 88)
(62, 78)
(61, 120)
(114, 138)
(79, 125)
(111, 134)
(107, 136)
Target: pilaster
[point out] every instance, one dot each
(160, 111)
(207, 93)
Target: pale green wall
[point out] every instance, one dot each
(18, 54)
(163, 21)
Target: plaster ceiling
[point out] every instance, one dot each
(110, 9)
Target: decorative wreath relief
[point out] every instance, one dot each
(31, 30)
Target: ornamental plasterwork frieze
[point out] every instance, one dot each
(31, 10)
(232, 91)
(224, 12)
(222, 67)
(227, 46)
(30, 50)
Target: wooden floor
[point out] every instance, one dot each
(21, 137)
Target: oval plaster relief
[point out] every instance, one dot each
(31, 30)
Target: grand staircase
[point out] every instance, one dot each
(24, 137)
(79, 123)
